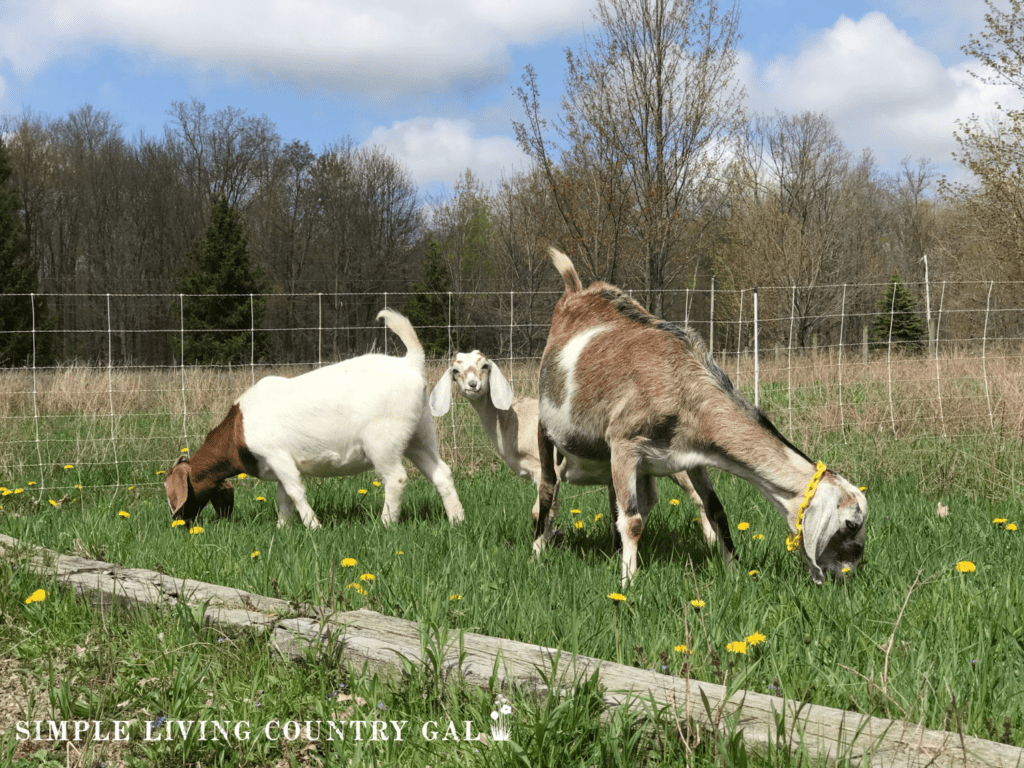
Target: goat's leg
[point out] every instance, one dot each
(625, 461)
(713, 512)
(290, 490)
(613, 511)
(427, 461)
(547, 492)
(683, 481)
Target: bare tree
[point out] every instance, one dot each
(649, 102)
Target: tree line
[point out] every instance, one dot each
(651, 175)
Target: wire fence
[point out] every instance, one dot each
(117, 417)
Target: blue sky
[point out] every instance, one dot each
(433, 83)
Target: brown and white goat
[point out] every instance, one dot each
(631, 397)
(511, 425)
(367, 412)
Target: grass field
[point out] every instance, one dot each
(909, 637)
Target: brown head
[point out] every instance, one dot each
(187, 500)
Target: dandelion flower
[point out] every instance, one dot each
(261, 498)
(1011, 527)
(753, 572)
(737, 646)
(348, 562)
(578, 524)
(31, 482)
(69, 466)
(454, 596)
(758, 537)
(743, 526)
(195, 529)
(124, 514)
(376, 483)
(598, 516)
(131, 487)
(184, 450)
(999, 521)
(966, 566)
(242, 475)
(176, 523)
(78, 487)
(362, 491)
(680, 649)
(53, 503)
(846, 569)
(36, 597)
(367, 577)
(674, 502)
(161, 472)
(755, 639)
(575, 511)
(617, 597)
(357, 587)
(698, 604)
(255, 554)
(20, 490)
(399, 552)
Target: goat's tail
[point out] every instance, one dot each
(402, 328)
(566, 270)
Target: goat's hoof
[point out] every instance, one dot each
(314, 525)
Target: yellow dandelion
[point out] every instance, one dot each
(399, 552)
(19, 490)
(348, 562)
(242, 475)
(674, 502)
(1011, 527)
(367, 577)
(195, 529)
(758, 537)
(53, 503)
(575, 511)
(31, 482)
(131, 487)
(78, 487)
(357, 587)
(999, 521)
(617, 597)
(755, 639)
(176, 523)
(680, 648)
(598, 516)
(122, 513)
(376, 483)
(863, 488)
(184, 450)
(7, 492)
(966, 566)
(737, 646)
(255, 554)
(698, 604)
(578, 524)
(753, 572)
(846, 569)
(361, 491)
(261, 498)
(69, 466)
(36, 597)
(454, 596)
(161, 472)
(743, 526)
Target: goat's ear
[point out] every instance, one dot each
(178, 488)
(441, 397)
(501, 392)
(223, 499)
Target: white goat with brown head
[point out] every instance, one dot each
(511, 425)
(363, 413)
(630, 397)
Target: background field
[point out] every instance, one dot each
(909, 637)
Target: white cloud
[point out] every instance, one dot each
(383, 49)
(439, 150)
(881, 88)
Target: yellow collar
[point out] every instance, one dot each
(793, 540)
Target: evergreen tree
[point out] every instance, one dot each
(18, 275)
(220, 275)
(897, 310)
(428, 309)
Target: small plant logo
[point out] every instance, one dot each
(500, 730)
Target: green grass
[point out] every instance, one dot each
(957, 653)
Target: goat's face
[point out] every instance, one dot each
(476, 377)
(186, 501)
(833, 529)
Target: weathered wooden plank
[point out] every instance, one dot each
(384, 644)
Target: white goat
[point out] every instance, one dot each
(366, 412)
(511, 424)
(630, 397)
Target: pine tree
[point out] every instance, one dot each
(897, 310)
(428, 308)
(220, 276)
(18, 276)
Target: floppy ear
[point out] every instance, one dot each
(441, 397)
(223, 499)
(501, 392)
(821, 521)
(179, 490)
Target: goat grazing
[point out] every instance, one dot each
(630, 397)
(366, 412)
(511, 424)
